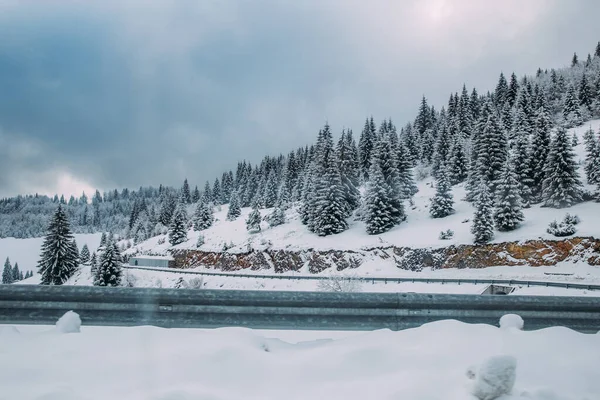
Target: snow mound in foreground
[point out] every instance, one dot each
(509, 321)
(69, 323)
(428, 362)
(8, 331)
(495, 377)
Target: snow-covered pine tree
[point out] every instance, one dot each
(385, 157)
(513, 90)
(59, 259)
(203, 216)
(84, 256)
(508, 214)
(253, 221)
(378, 208)
(269, 197)
(492, 150)
(216, 192)
(93, 263)
(207, 196)
(167, 208)
(442, 148)
(483, 223)
(186, 196)
(349, 173)
(277, 217)
(234, 210)
(442, 203)
(365, 149)
(195, 195)
(562, 187)
(458, 163)
(574, 140)
(103, 239)
(178, 227)
(7, 272)
(592, 157)
(109, 269)
(17, 274)
(522, 169)
(571, 109)
(501, 93)
(540, 148)
(328, 204)
(585, 95)
(407, 182)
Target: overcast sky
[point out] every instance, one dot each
(126, 93)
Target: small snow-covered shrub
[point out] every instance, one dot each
(276, 218)
(129, 280)
(70, 322)
(571, 219)
(340, 283)
(200, 241)
(422, 171)
(162, 240)
(446, 235)
(227, 246)
(494, 378)
(465, 221)
(508, 321)
(195, 283)
(564, 228)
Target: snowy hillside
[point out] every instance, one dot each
(419, 230)
(444, 360)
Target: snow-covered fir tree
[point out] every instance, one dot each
(253, 221)
(521, 167)
(234, 210)
(405, 174)
(483, 222)
(442, 203)
(195, 195)
(207, 196)
(203, 216)
(7, 273)
(442, 148)
(59, 259)
(540, 148)
(508, 214)
(110, 268)
(366, 144)
(84, 256)
(458, 163)
(277, 217)
(216, 192)
(571, 109)
(269, 196)
(17, 274)
(592, 157)
(349, 170)
(327, 208)
(385, 157)
(178, 227)
(378, 208)
(93, 263)
(562, 187)
(185, 192)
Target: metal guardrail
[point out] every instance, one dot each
(189, 308)
(566, 285)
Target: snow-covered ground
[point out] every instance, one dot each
(431, 362)
(26, 252)
(420, 230)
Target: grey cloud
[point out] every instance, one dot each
(135, 93)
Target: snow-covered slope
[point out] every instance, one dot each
(432, 362)
(420, 230)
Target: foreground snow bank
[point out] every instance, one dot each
(232, 364)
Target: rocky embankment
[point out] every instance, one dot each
(532, 252)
